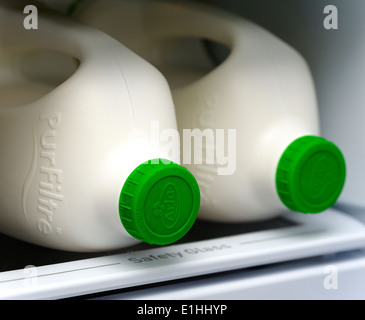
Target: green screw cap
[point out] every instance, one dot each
(310, 174)
(159, 202)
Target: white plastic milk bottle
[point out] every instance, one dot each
(271, 157)
(71, 174)
(334, 49)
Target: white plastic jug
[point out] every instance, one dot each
(72, 176)
(263, 91)
(331, 38)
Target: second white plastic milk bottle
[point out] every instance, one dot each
(271, 158)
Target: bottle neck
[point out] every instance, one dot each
(270, 148)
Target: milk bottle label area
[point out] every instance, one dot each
(50, 187)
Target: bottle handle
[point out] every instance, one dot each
(165, 20)
(95, 50)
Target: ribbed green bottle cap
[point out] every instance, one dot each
(310, 174)
(159, 202)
